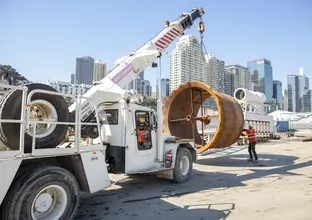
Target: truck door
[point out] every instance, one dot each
(141, 152)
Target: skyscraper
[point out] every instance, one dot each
(298, 92)
(285, 100)
(277, 93)
(186, 62)
(164, 83)
(262, 77)
(229, 83)
(146, 88)
(72, 78)
(303, 90)
(241, 76)
(306, 101)
(135, 84)
(293, 93)
(140, 86)
(99, 70)
(215, 72)
(84, 70)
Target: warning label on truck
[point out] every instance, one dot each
(119, 76)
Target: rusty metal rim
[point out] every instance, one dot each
(206, 89)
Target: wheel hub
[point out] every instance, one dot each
(184, 165)
(50, 203)
(44, 202)
(42, 110)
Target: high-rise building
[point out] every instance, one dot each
(241, 76)
(72, 78)
(303, 90)
(146, 88)
(293, 93)
(164, 83)
(277, 93)
(135, 84)
(215, 72)
(140, 86)
(84, 70)
(298, 92)
(285, 100)
(229, 83)
(99, 70)
(186, 62)
(306, 101)
(262, 77)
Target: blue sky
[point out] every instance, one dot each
(41, 39)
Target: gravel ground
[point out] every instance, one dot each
(221, 187)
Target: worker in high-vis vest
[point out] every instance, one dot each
(252, 140)
(141, 135)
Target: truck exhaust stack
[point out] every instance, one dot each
(181, 113)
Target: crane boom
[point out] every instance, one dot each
(114, 83)
(152, 49)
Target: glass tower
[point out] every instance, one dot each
(262, 76)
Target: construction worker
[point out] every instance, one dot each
(252, 140)
(141, 135)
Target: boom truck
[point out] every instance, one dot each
(55, 151)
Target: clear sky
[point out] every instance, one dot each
(42, 39)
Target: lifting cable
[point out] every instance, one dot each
(201, 30)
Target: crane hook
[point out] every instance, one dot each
(201, 27)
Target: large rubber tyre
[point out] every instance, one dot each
(181, 173)
(18, 203)
(10, 108)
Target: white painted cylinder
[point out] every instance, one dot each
(245, 95)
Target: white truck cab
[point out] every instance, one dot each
(131, 131)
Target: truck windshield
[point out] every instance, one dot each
(109, 116)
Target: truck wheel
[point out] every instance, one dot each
(46, 192)
(44, 106)
(183, 165)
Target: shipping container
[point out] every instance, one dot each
(282, 126)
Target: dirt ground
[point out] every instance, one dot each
(221, 187)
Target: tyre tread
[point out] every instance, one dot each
(177, 177)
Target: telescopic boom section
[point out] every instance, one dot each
(136, 62)
(133, 64)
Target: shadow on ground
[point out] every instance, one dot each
(144, 196)
(239, 160)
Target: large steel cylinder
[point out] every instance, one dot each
(179, 105)
(245, 95)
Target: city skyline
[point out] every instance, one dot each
(226, 35)
(186, 65)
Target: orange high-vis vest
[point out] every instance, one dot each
(251, 135)
(140, 136)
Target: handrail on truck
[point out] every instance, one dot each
(25, 120)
